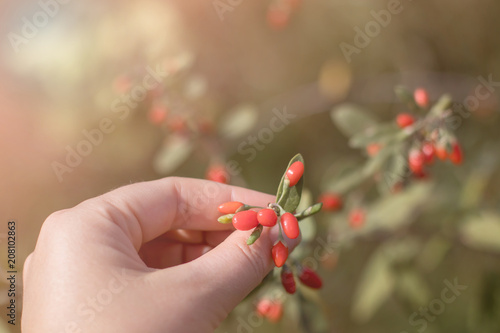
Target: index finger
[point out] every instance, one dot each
(149, 209)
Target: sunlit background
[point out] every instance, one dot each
(224, 69)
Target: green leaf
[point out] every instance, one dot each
(225, 219)
(175, 151)
(307, 224)
(377, 162)
(395, 211)
(376, 285)
(406, 97)
(397, 170)
(413, 287)
(313, 317)
(382, 134)
(433, 253)
(255, 234)
(289, 197)
(351, 119)
(309, 211)
(443, 104)
(347, 181)
(482, 232)
(239, 121)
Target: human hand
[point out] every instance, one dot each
(146, 257)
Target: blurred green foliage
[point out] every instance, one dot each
(235, 73)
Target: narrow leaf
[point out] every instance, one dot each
(255, 234)
(351, 119)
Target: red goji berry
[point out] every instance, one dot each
(441, 151)
(177, 124)
(404, 120)
(357, 218)
(295, 172)
(421, 97)
(287, 280)
(275, 312)
(278, 16)
(230, 207)
(290, 225)
(245, 220)
(331, 201)
(428, 152)
(263, 306)
(373, 148)
(310, 278)
(279, 253)
(456, 155)
(267, 217)
(157, 115)
(416, 161)
(218, 173)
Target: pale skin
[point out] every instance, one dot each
(147, 257)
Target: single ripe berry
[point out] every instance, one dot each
(290, 225)
(217, 173)
(263, 307)
(157, 115)
(331, 201)
(206, 126)
(245, 220)
(456, 155)
(279, 254)
(416, 161)
(287, 280)
(230, 207)
(441, 151)
(373, 148)
(295, 172)
(310, 278)
(429, 152)
(267, 217)
(404, 120)
(177, 124)
(357, 218)
(275, 312)
(278, 16)
(421, 97)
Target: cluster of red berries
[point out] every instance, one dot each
(243, 217)
(159, 115)
(439, 143)
(430, 142)
(419, 157)
(307, 277)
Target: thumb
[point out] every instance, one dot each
(233, 268)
